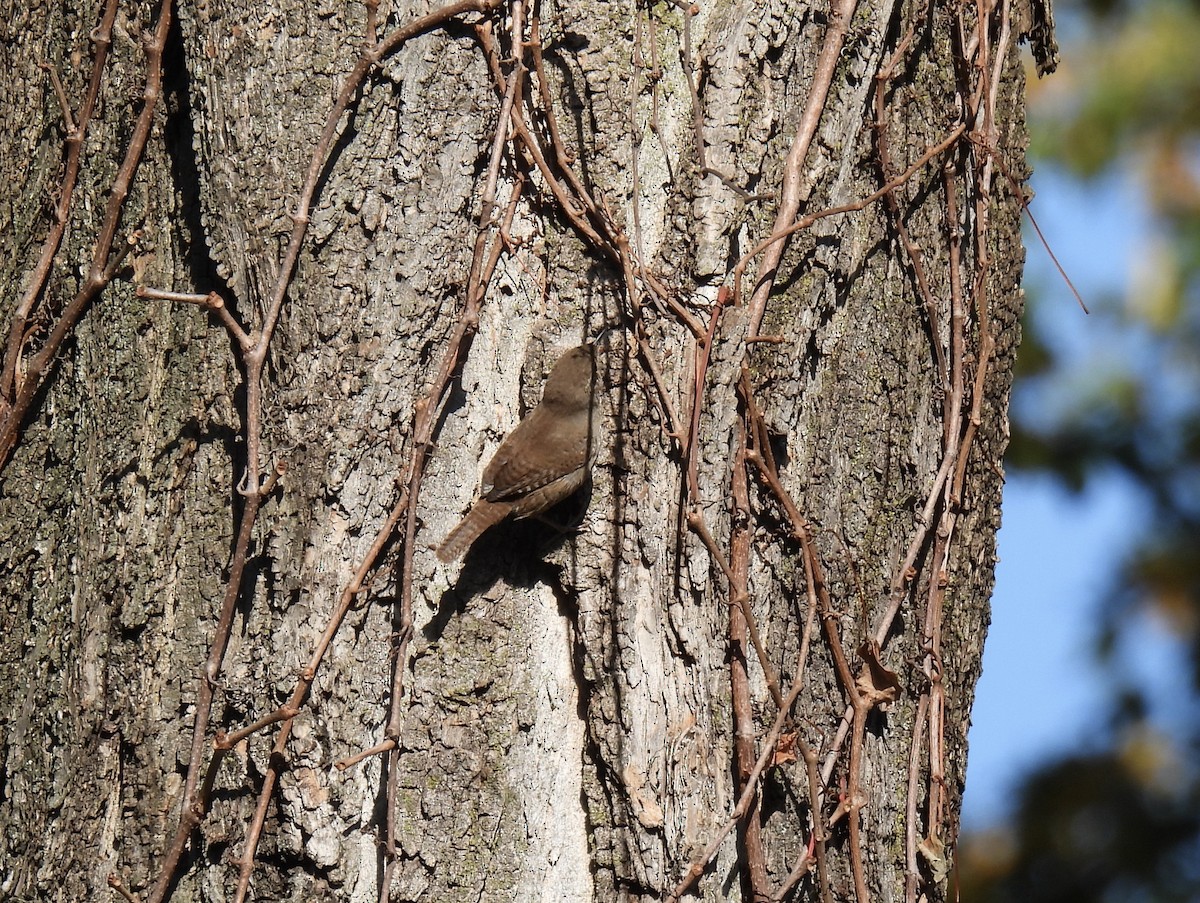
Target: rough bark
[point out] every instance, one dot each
(568, 724)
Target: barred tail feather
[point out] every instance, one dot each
(483, 515)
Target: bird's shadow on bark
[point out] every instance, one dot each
(511, 551)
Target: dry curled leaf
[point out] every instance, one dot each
(876, 682)
(785, 749)
(645, 806)
(934, 852)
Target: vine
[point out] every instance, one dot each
(528, 153)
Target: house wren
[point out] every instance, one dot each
(544, 459)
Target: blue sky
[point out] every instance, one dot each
(1042, 691)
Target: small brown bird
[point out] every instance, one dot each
(546, 458)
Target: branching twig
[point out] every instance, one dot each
(915, 255)
(741, 621)
(861, 703)
(212, 301)
(805, 222)
(195, 803)
(16, 391)
(76, 129)
(840, 14)
(740, 600)
(424, 422)
(767, 753)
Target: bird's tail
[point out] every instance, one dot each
(481, 516)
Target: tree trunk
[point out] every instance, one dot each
(580, 709)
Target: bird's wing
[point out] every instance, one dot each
(533, 455)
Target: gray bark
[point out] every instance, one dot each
(567, 725)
